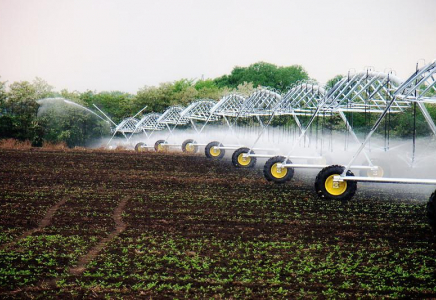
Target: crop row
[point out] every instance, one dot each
(197, 228)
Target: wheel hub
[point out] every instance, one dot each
(243, 159)
(189, 147)
(278, 171)
(333, 187)
(214, 151)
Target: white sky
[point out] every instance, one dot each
(124, 45)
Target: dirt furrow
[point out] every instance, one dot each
(46, 221)
(120, 226)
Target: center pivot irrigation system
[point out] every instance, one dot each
(298, 101)
(147, 125)
(338, 182)
(126, 126)
(198, 111)
(364, 92)
(376, 95)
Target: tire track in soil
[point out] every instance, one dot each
(120, 226)
(46, 221)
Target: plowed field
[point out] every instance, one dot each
(124, 224)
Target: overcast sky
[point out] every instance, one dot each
(124, 45)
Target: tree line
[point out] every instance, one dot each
(24, 117)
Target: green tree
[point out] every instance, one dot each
(264, 74)
(20, 111)
(181, 92)
(3, 96)
(117, 105)
(207, 89)
(73, 96)
(156, 99)
(42, 88)
(245, 89)
(331, 83)
(72, 125)
(21, 99)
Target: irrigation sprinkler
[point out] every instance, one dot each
(300, 100)
(147, 125)
(69, 102)
(365, 92)
(172, 116)
(198, 111)
(259, 103)
(227, 107)
(126, 126)
(339, 183)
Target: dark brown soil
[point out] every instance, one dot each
(108, 224)
(119, 227)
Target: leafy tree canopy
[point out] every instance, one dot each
(331, 83)
(115, 104)
(263, 74)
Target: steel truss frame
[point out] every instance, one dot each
(419, 88)
(148, 122)
(127, 125)
(229, 106)
(172, 116)
(365, 91)
(300, 100)
(361, 92)
(200, 110)
(259, 103)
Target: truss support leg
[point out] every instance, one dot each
(111, 139)
(193, 125)
(260, 122)
(170, 131)
(414, 134)
(303, 131)
(127, 139)
(427, 117)
(374, 128)
(231, 129)
(351, 131)
(204, 125)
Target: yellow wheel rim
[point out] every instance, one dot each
(244, 161)
(214, 151)
(190, 148)
(161, 147)
(375, 173)
(278, 172)
(335, 188)
(141, 148)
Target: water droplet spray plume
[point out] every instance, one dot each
(47, 101)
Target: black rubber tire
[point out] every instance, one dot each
(189, 141)
(209, 147)
(156, 145)
(377, 162)
(322, 177)
(431, 211)
(239, 152)
(138, 146)
(270, 163)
